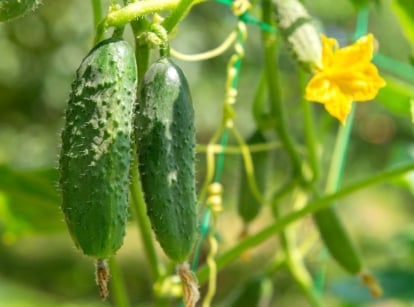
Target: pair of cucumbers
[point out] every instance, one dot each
(96, 152)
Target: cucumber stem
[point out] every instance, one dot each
(139, 209)
(309, 129)
(294, 262)
(137, 9)
(180, 11)
(371, 283)
(236, 150)
(118, 285)
(97, 12)
(102, 277)
(339, 155)
(191, 295)
(270, 47)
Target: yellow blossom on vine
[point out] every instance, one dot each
(346, 75)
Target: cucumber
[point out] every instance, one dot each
(248, 205)
(95, 154)
(337, 240)
(342, 248)
(166, 154)
(11, 9)
(299, 33)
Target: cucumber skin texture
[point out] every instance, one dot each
(248, 206)
(96, 152)
(337, 240)
(11, 9)
(299, 33)
(166, 154)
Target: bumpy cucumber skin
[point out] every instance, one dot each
(11, 9)
(248, 205)
(95, 155)
(299, 33)
(166, 153)
(337, 240)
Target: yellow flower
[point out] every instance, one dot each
(346, 75)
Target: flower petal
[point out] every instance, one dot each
(340, 107)
(358, 53)
(321, 89)
(347, 74)
(361, 85)
(329, 45)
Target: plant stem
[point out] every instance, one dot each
(270, 57)
(236, 150)
(142, 52)
(248, 165)
(142, 56)
(259, 102)
(313, 206)
(97, 12)
(138, 203)
(118, 289)
(139, 210)
(295, 263)
(137, 9)
(310, 138)
(302, 277)
(97, 21)
(180, 11)
(336, 168)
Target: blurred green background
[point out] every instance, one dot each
(39, 53)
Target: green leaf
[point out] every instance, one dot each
(404, 9)
(396, 96)
(29, 202)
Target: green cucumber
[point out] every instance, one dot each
(95, 155)
(342, 248)
(166, 154)
(248, 204)
(337, 240)
(299, 33)
(11, 9)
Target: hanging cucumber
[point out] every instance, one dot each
(95, 154)
(11, 9)
(337, 240)
(166, 151)
(248, 204)
(341, 247)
